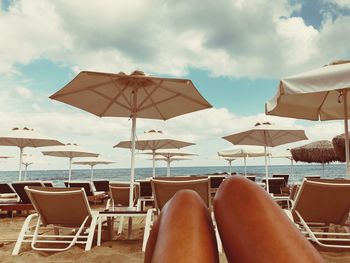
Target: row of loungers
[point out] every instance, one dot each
(319, 204)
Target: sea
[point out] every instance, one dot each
(296, 173)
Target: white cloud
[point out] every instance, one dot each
(233, 38)
(24, 92)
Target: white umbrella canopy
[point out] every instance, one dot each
(154, 140)
(169, 154)
(320, 94)
(267, 135)
(23, 138)
(133, 96)
(241, 153)
(69, 151)
(92, 161)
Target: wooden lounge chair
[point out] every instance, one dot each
(101, 185)
(164, 190)
(284, 176)
(146, 195)
(119, 200)
(92, 195)
(275, 185)
(215, 182)
(61, 208)
(320, 206)
(251, 177)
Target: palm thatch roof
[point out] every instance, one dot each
(315, 152)
(339, 146)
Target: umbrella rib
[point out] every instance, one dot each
(113, 100)
(186, 97)
(122, 92)
(79, 90)
(159, 102)
(323, 101)
(150, 94)
(152, 104)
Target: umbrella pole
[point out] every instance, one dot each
(168, 167)
(322, 169)
(25, 172)
(154, 163)
(70, 169)
(245, 165)
(92, 173)
(266, 171)
(346, 133)
(132, 172)
(291, 170)
(20, 164)
(230, 165)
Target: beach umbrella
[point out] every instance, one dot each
(69, 151)
(154, 140)
(315, 152)
(132, 96)
(320, 94)
(229, 160)
(23, 138)
(92, 161)
(168, 154)
(26, 161)
(267, 135)
(241, 153)
(171, 159)
(339, 147)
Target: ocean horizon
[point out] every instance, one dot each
(122, 174)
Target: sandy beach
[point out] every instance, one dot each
(118, 250)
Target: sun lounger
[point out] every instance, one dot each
(164, 190)
(101, 185)
(251, 177)
(321, 206)
(215, 181)
(92, 195)
(7, 194)
(61, 208)
(275, 185)
(284, 176)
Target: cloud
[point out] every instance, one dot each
(257, 38)
(24, 92)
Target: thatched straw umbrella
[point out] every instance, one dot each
(315, 152)
(339, 147)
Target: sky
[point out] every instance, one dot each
(235, 52)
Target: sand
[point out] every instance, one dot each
(118, 250)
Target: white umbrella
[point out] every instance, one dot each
(320, 94)
(92, 161)
(230, 160)
(241, 153)
(69, 151)
(154, 140)
(267, 135)
(133, 96)
(23, 138)
(171, 159)
(170, 153)
(26, 161)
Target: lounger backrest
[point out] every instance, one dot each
(120, 195)
(145, 188)
(47, 183)
(312, 177)
(251, 177)
(164, 190)
(127, 184)
(6, 189)
(19, 188)
(216, 180)
(86, 185)
(181, 178)
(60, 206)
(101, 185)
(275, 185)
(284, 176)
(323, 202)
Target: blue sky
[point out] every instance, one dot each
(234, 51)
